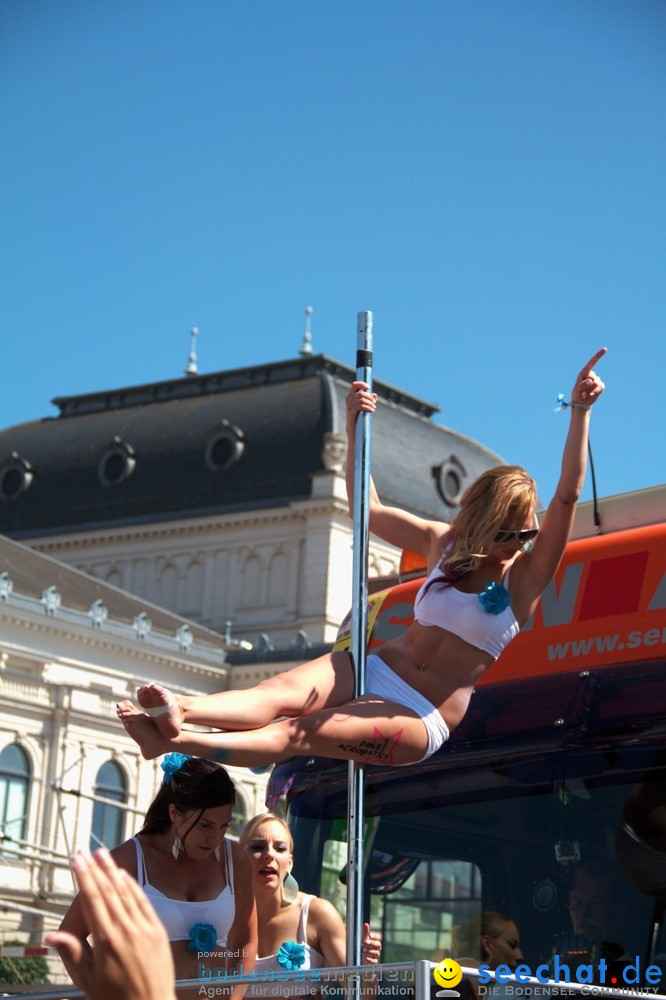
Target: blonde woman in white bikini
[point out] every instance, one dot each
(296, 931)
(483, 585)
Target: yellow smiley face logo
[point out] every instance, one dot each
(448, 973)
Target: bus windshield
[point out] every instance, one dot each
(545, 842)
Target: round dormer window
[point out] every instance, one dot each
(117, 463)
(450, 479)
(16, 475)
(224, 448)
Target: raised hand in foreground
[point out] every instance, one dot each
(130, 958)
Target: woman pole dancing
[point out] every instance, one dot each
(483, 585)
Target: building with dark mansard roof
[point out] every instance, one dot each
(218, 497)
(221, 496)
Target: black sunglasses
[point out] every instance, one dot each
(526, 535)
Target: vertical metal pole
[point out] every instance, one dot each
(423, 980)
(361, 516)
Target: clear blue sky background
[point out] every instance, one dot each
(487, 176)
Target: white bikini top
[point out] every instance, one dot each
(313, 959)
(441, 605)
(269, 964)
(180, 915)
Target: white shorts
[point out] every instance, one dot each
(385, 683)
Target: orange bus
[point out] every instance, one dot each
(548, 803)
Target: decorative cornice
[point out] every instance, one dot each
(75, 626)
(201, 526)
(215, 383)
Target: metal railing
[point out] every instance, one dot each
(416, 976)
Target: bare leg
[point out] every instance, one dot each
(369, 730)
(308, 688)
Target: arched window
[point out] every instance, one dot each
(251, 582)
(14, 794)
(278, 579)
(168, 582)
(108, 822)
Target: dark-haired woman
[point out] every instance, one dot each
(199, 883)
(484, 584)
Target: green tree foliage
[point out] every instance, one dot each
(23, 970)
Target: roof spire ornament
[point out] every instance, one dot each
(306, 346)
(192, 368)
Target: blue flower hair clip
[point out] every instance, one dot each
(291, 955)
(494, 598)
(203, 937)
(172, 763)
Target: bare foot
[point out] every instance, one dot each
(160, 705)
(142, 730)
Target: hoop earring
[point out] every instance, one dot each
(217, 853)
(290, 889)
(176, 847)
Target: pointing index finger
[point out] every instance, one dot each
(592, 362)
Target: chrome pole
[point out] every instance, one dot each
(423, 979)
(361, 517)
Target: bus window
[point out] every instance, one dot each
(420, 919)
(418, 904)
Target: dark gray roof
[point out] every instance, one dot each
(269, 420)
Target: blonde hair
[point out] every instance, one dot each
(490, 923)
(500, 494)
(252, 825)
(493, 923)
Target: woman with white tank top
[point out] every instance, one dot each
(198, 883)
(297, 932)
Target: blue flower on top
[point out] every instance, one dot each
(291, 955)
(172, 763)
(203, 937)
(494, 598)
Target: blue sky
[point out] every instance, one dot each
(487, 176)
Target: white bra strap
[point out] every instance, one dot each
(141, 874)
(229, 863)
(302, 936)
(447, 548)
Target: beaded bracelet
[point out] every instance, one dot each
(562, 403)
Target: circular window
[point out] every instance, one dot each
(450, 479)
(452, 483)
(16, 476)
(225, 446)
(117, 463)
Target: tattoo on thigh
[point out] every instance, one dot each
(379, 750)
